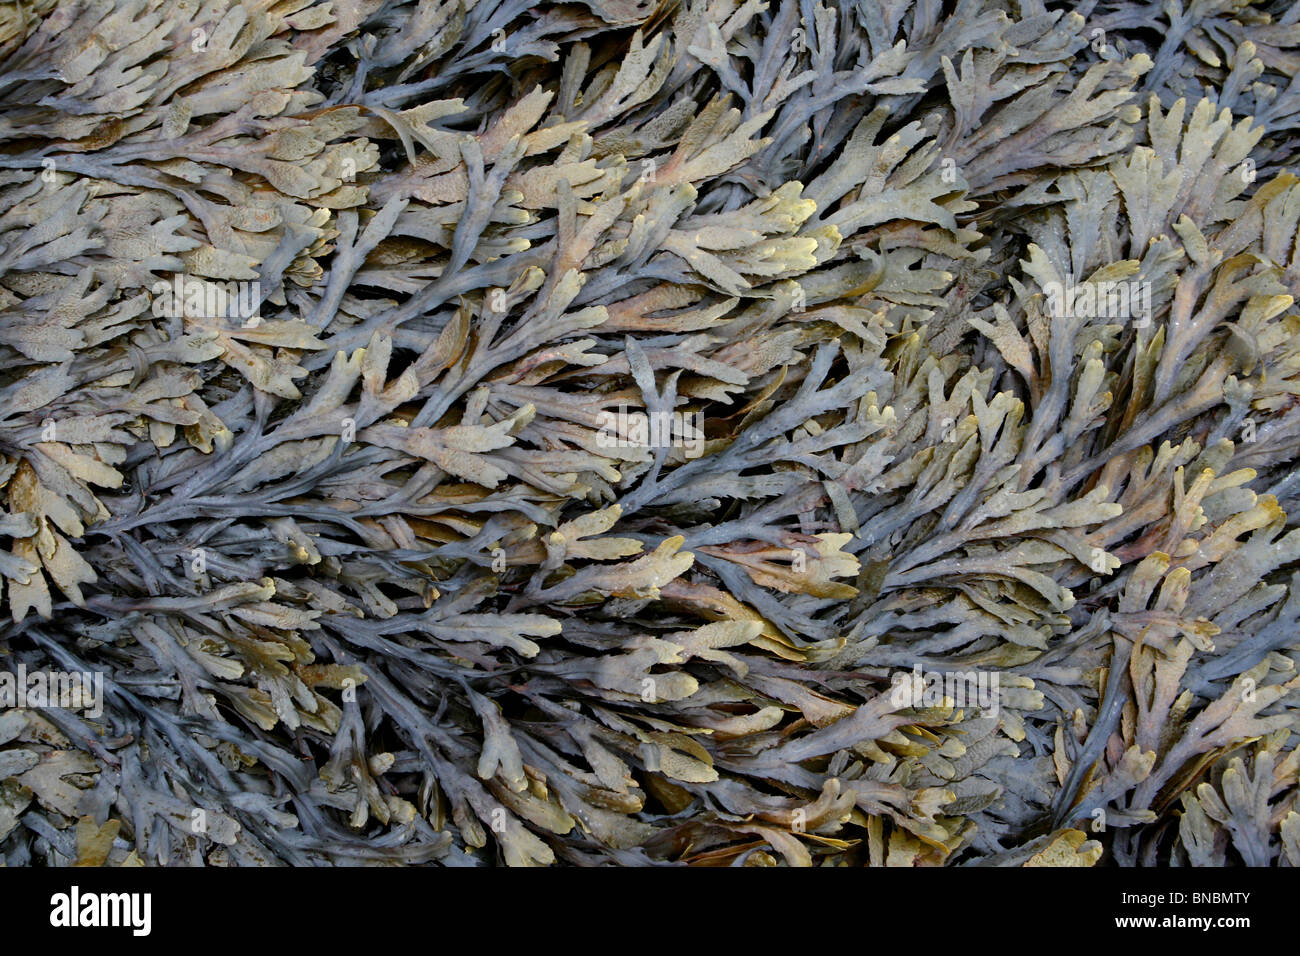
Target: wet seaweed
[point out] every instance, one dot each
(648, 433)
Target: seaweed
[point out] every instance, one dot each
(692, 432)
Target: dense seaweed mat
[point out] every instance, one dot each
(368, 581)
